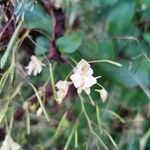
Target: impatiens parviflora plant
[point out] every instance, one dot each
(82, 79)
(34, 66)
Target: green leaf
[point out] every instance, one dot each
(147, 37)
(128, 48)
(120, 17)
(42, 45)
(93, 49)
(132, 141)
(36, 18)
(69, 43)
(107, 2)
(126, 77)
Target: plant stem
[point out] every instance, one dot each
(52, 81)
(105, 61)
(85, 113)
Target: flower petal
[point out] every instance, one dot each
(89, 81)
(77, 80)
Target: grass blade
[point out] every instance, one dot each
(3, 111)
(106, 61)
(115, 115)
(10, 45)
(40, 102)
(110, 137)
(98, 119)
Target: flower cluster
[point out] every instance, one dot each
(82, 79)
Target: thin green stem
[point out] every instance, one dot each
(114, 114)
(100, 140)
(52, 81)
(40, 101)
(28, 121)
(111, 139)
(98, 119)
(76, 138)
(68, 75)
(72, 132)
(57, 133)
(106, 61)
(85, 113)
(100, 85)
(91, 100)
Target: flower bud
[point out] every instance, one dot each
(39, 112)
(103, 94)
(25, 106)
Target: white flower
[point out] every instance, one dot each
(138, 123)
(39, 112)
(103, 94)
(25, 106)
(62, 87)
(9, 144)
(82, 77)
(57, 3)
(34, 66)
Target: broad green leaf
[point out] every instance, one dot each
(124, 76)
(35, 18)
(89, 5)
(93, 49)
(69, 43)
(42, 45)
(132, 141)
(147, 37)
(120, 17)
(128, 48)
(145, 10)
(107, 2)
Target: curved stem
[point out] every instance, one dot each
(105, 61)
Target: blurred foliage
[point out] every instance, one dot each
(117, 30)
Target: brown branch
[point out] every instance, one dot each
(58, 20)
